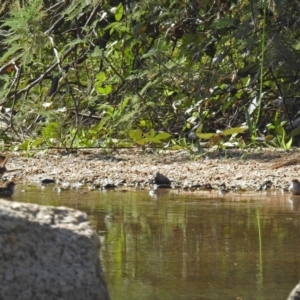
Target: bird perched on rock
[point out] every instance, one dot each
(7, 189)
(294, 187)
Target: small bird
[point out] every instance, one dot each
(3, 161)
(7, 189)
(295, 187)
(223, 189)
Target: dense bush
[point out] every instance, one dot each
(93, 73)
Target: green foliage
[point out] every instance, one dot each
(221, 140)
(119, 12)
(280, 139)
(100, 88)
(24, 36)
(149, 137)
(115, 74)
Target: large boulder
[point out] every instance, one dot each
(295, 293)
(48, 253)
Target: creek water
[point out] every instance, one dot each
(187, 245)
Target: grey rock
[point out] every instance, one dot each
(48, 253)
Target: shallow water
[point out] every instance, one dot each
(189, 246)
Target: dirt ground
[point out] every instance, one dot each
(235, 168)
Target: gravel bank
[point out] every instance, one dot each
(246, 169)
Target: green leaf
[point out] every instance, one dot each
(50, 131)
(104, 90)
(125, 102)
(234, 130)
(135, 134)
(269, 137)
(151, 53)
(119, 12)
(289, 143)
(149, 84)
(100, 77)
(280, 131)
(176, 147)
(162, 136)
(37, 142)
(147, 140)
(151, 133)
(294, 132)
(296, 46)
(222, 22)
(206, 136)
(283, 123)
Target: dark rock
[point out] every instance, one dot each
(109, 186)
(195, 186)
(47, 181)
(159, 178)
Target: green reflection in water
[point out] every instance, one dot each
(189, 246)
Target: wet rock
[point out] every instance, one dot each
(295, 293)
(109, 186)
(162, 186)
(159, 178)
(47, 181)
(195, 186)
(48, 253)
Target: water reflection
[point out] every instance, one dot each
(294, 202)
(174, 245)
